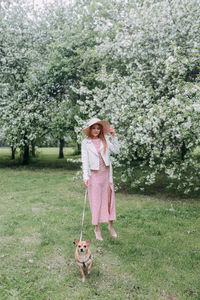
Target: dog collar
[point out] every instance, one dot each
(85, 262)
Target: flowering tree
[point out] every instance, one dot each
(135, 63)
(152, 96)
(16, 38)
(72, 62)
(26, 104)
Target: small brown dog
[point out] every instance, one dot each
(83, 256)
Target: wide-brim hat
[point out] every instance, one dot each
(105, 124)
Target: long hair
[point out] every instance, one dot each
(101, 136)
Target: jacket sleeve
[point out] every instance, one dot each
(114, 146)
(85, 161)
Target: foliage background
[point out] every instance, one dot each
(134, 63)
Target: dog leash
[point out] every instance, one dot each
(83, 215)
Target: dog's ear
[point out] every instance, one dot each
(88, 242)
(76, 241)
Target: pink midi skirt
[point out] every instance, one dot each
(101, 195)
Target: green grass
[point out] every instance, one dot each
(45, 158)
(156, 256)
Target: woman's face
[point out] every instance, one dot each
(95, 130)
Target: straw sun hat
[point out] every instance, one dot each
(105, 124)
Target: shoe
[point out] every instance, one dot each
(112, 232)
(98, 235)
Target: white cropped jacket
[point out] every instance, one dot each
(90, 157)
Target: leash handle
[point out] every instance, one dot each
(83, 214)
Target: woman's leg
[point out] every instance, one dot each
(111, 229)
(97, 232)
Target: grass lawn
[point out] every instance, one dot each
(156, 256)
(45, 158)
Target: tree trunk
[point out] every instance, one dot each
(26, 155)
(13, 149)
(33, 149)
(78, 148)
(61, 146)
(183, 151)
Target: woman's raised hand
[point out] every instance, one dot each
(112, 131)
(86, 183)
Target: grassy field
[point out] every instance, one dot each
(45, 158)
(156, 256)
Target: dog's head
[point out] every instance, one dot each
(83, 246)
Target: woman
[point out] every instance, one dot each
(97, 173)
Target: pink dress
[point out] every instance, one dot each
(101, 192)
